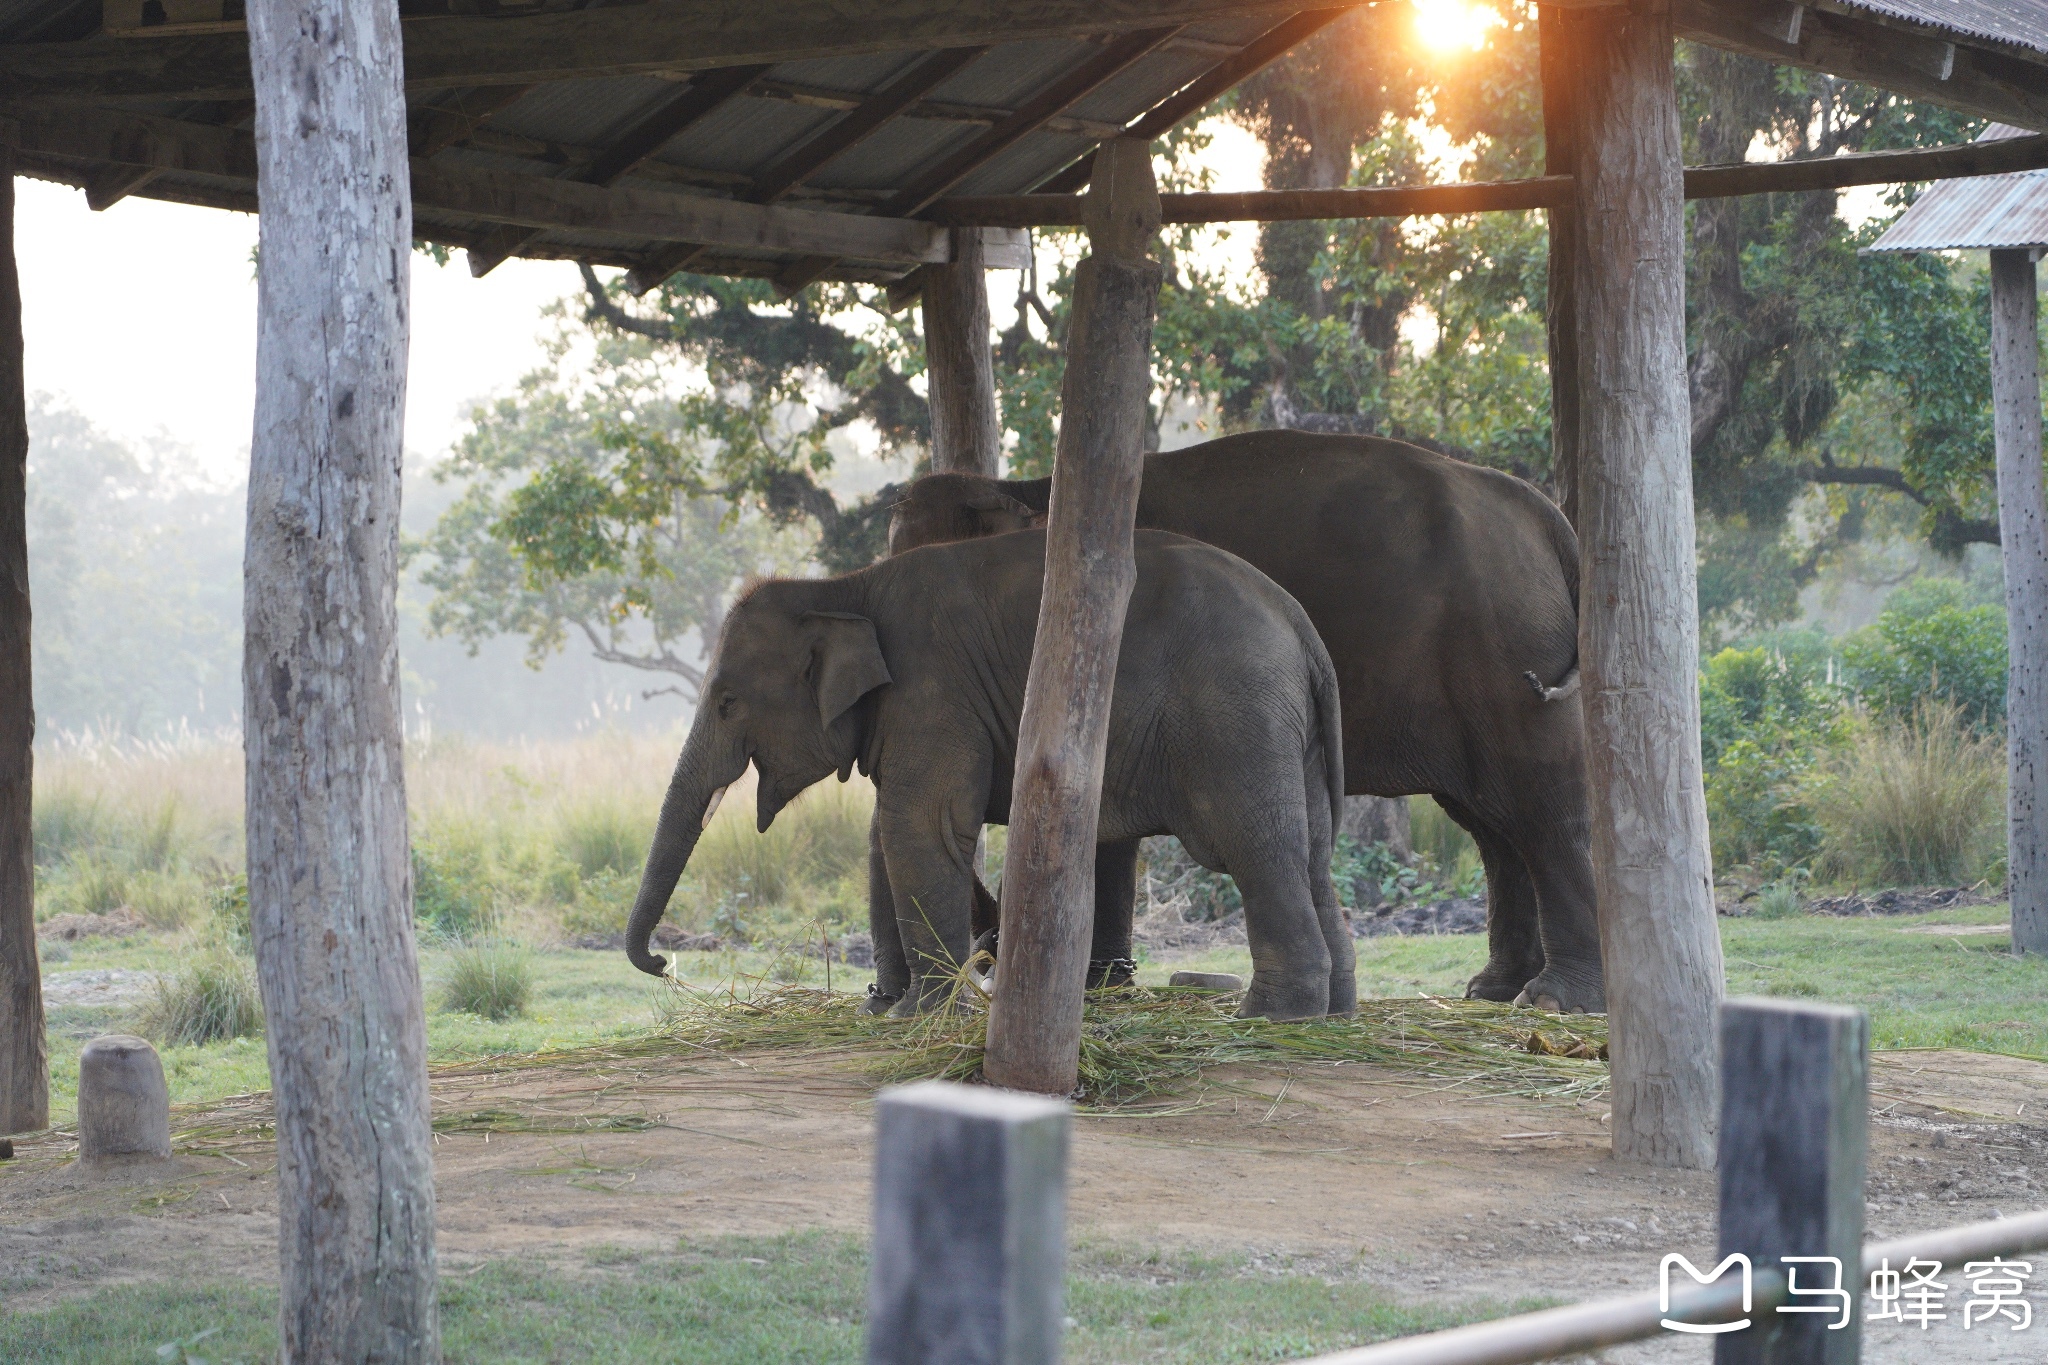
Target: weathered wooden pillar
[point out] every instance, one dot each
(1034, 1030)
(967, 435)
(2023, 539)
(24, 1062)
(1560, 314)
(1638, 615)
(330, 893)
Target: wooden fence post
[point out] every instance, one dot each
(1638, 611)
(330, 885)
(967, 435)
(24, 1060)
(2023, 539)
(1795, 1101)
(1034, 1027)
(970, 1227)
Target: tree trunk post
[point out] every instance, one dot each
(1560, 314)
(2023, 539)
(967, 436)
(1034, 1027)
(1639, 617)
(330, 886)
(24, 1060)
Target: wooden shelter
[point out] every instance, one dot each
(2007, 216)
(906, 141)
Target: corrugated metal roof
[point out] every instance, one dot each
(1986, 211)
(2014, 23)
(570, 128)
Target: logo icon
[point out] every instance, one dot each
(1710, 1328)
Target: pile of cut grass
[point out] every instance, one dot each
(1138, 1044)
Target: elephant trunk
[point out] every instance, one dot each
(710, 762)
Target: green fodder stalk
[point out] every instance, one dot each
(208, 1001)
(1915, 800)
(494, 980)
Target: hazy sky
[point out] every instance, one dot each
(144, 318)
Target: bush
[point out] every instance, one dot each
(227, 913)
(1954, 652)
(1779, 900)
(493, 980)
(451, 891)
(815, 841)
(209, 1001)
(1918, 799)
(67, 823)
(85, 885)
(604, 837)
(1166, 872)
(166, 900)
(1769, 714)
(1441, 840)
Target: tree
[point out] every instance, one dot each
(587, 509)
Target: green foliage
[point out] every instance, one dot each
(209, 1000)
(1767, 717)
(1927, 644)
(1779, 900)
(451, 891)
(227, 906)
(491, 980)
(1915, 798)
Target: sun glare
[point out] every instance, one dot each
(1452, 25)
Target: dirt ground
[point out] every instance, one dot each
(1430, 1189)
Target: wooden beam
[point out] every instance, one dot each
(434, 127)
(1048, 911)
(24, 1054)
(2023, 543)
(330, 882)
(1638, 608)
(967, 434)
(1994, 84)
(1197, 94)
(443, 52)
(1537, 192)
(647, 135)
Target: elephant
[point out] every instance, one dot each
(1447, 594)
(1224, 730)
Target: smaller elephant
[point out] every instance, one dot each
(1224, 730)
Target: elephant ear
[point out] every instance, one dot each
(849, 662)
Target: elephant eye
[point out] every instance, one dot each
(726, 701)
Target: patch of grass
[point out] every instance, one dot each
(800, 1297)
(602, 837)
(212, 999)
(492, 980)
(1915, 801)
(1779, 900)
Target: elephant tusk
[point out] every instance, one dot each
(712, 808)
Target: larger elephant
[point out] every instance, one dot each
(1447, 594)
(1224, 730)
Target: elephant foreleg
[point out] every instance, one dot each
(892, 969)
(1110, 955)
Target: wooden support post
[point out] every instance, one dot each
(970, 1227)
(24, 1061)
(1561, 309)
(1795, 1103)
(2023, 539)
(967, 436)
(1638, 615)
(124, 1104)
(330, 887)
(1034, 1028)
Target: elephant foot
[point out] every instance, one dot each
(1560, 993)
(878, 1003)
(1304, 1000)
(1343, 996)
(1501, 983)
(1111, 973)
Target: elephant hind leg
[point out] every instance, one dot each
(1110, 954)
(1271, 858)
(1514, 944)
(1561, 869)
(1329, 912)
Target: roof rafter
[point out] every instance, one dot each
(647, 135)
(665, 36)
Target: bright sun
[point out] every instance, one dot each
(1452, 25)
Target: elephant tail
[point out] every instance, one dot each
(1566, 685)
(1330, 724)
